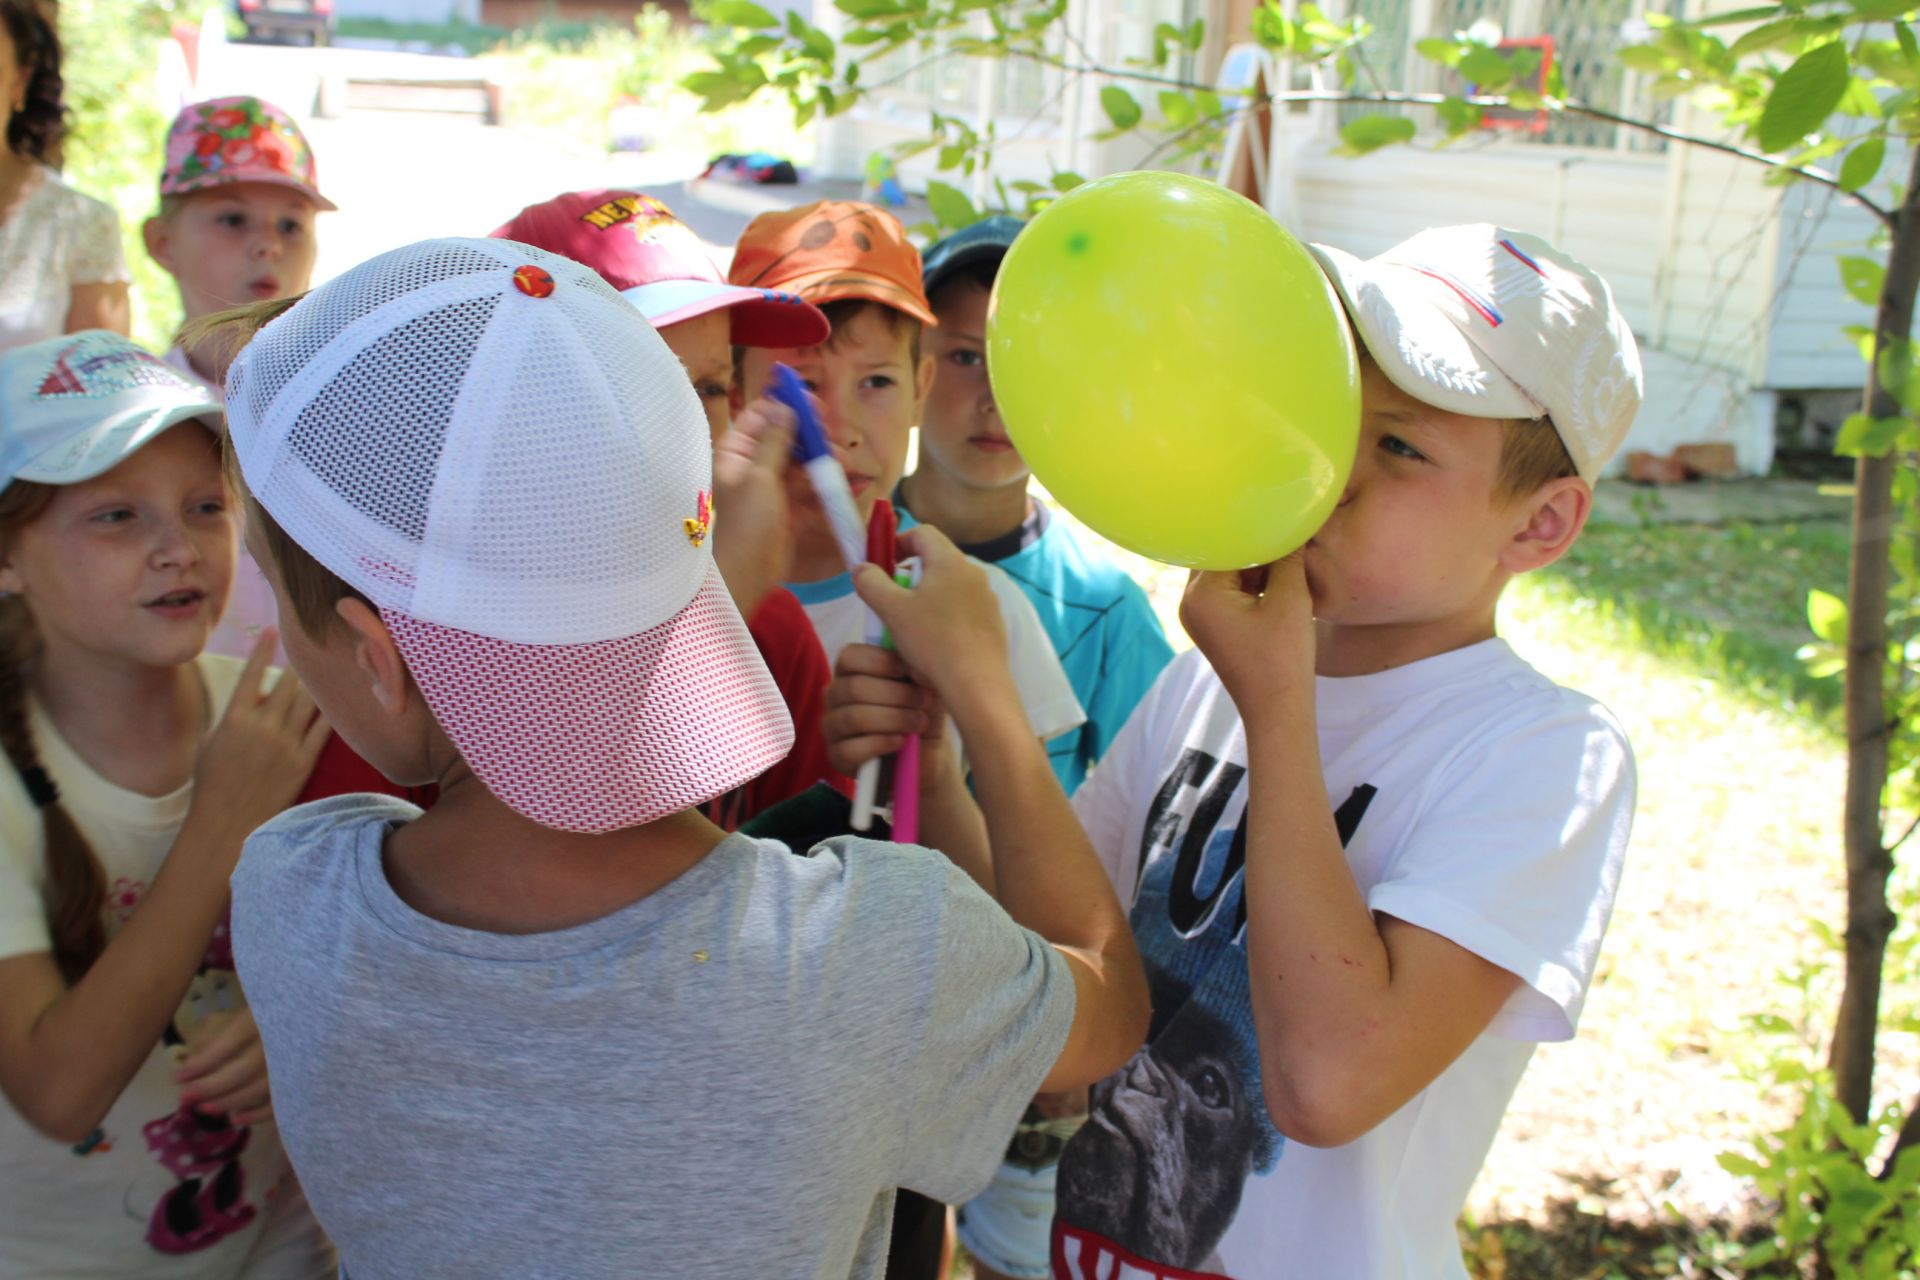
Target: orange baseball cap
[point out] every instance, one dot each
(831, 250)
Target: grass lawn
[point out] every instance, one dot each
(1606, 1164)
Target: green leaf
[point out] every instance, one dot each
(1460, 116)
(1121, 107)
(1864, 437)
(864, 9)
(1909, 43)
(1486, 69)
(1369, 133)
(1740, 1166)
(1803, 97)
(817, 44)
(1065, 180)
(1779, 34)
(1862, 277)
(1863, 163)
(1646, 57)
(739, 13)
(1445, 52)
(1207, 103)
(1827, 615)
(1860, 100)
(1176, 108)
(950, 206)
(1880, 10)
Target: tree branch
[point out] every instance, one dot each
(1568, 106)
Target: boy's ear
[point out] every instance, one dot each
(159, 239)
(922, 384)
(375, 654)
(1554, 517)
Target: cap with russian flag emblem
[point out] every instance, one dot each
(1481, 320)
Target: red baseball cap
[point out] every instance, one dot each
(641, 249)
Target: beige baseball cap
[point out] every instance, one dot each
(1481, 320)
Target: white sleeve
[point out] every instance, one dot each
(1045, 692)
(1519, 857)
(23, 918)
(1110, 803)
(97, 257)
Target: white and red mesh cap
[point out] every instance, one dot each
(494, 447)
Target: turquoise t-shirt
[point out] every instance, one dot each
(1101, 624)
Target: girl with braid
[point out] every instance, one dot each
(135, 766)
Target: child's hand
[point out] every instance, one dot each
(948, 629)
(752, 533)
(1256, 628)
(225, 1070)
(872, 705)
(264, 748)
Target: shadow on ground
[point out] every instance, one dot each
(1588, 1235)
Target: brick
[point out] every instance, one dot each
(1714, 461)
(1655, 468)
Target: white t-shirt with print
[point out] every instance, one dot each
(1476, 799)
(840, 619)
(153, 1193)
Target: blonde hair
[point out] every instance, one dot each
(1531, 454)
(313, 588)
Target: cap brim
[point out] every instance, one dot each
(99, 450)
(597, 737)
(960, 260)
(1414, 342)
(760, 317)
(215, 181)
(838, 284)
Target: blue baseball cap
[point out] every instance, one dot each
(983, 242)
(76, 406)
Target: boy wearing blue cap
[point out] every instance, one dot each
(971, 484)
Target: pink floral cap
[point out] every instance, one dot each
(227, 140)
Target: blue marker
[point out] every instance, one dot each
(815, 455)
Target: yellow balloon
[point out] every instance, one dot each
(1176, 370)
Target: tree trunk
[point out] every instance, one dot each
(1869, 919)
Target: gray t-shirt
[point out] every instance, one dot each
(726, 1078)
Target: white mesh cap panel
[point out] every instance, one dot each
(595, 548)
(493, 446)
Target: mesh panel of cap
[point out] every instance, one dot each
(470, 455)
(509, 474)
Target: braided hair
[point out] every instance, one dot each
(75, 895)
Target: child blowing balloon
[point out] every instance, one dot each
(135, 766)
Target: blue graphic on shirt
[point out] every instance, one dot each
(1173, 1137)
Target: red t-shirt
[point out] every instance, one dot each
(341, 772)
(792, 652)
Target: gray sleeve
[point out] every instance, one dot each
(999, 1008)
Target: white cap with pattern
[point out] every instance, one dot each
(495, 448)
(1494, 323)
(77, 406)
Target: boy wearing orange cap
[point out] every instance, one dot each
(854, 262)
(636, 244)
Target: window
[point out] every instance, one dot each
(1586, 35)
